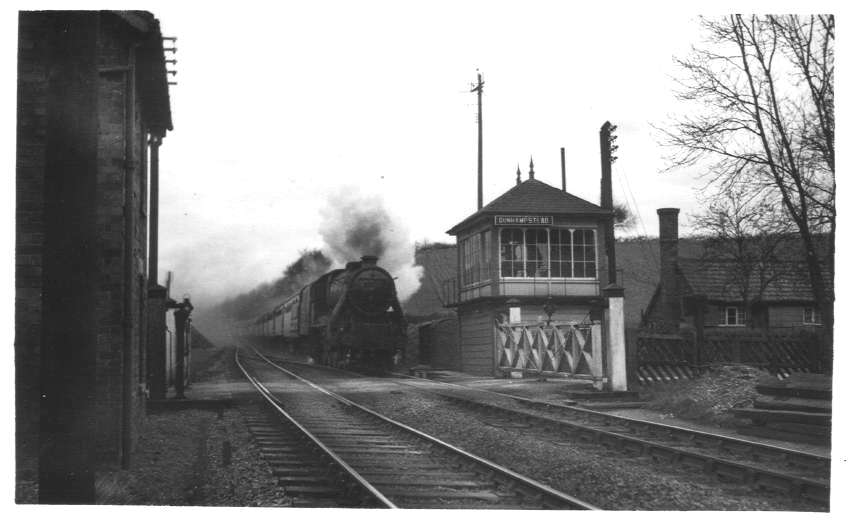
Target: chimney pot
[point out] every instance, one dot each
(563, 166)
(369, 260)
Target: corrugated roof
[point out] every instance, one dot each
(533, 196)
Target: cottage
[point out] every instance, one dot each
(775, 296)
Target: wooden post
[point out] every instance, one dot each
(632, 360)
(479, 89)
(699, 303)
(597, 368)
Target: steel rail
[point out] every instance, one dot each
(501, 470)
(816, 490)
(680, 430)
(819, 490)
(810, 458)
(275, 403)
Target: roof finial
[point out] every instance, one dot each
(531, 173)
(518, 175)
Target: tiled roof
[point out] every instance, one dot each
(716, 279)
(533, 196)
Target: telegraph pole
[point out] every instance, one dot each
(479, 89)
(607, 137)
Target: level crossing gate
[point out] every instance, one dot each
(560, 350)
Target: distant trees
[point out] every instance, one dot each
(763, 89)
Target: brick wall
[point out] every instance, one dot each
(110, 171)
(29, 237)
(123, 230)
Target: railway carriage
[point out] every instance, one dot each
(346, 316)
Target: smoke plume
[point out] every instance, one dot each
(354, 225)
(310, 265)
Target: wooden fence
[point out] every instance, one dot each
(658, 357)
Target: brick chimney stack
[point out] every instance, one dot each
(670, 297)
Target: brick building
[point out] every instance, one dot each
(432, 333)
(777, 296)
(93, 107)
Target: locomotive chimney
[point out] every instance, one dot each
(369, 260)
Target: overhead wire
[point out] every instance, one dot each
(626, 188)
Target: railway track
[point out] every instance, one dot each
(759, 465)
(377, 460)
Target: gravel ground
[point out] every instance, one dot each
(179, 459)
(585, 471)
(247, 480)
(709, 398)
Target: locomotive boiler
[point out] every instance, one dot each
(346, 316)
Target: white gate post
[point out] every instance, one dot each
(616, 356)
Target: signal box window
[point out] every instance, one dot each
(548, 253)
(512, 249)
(537, 252)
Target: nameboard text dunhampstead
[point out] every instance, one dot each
(523, 220)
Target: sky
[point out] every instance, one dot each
(275, 109)
(280, 106)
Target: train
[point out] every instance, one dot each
(346, 317)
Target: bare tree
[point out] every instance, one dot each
(765, 88)
(747, 235)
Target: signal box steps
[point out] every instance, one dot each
(795, 404)
(595, 395)
(599, 400)
(804, 386)
(760, 417)
(796, 409)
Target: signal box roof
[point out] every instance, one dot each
(532, 197)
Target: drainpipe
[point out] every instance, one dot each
(129, 242)
(153, 261)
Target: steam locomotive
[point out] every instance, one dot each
(348, 316)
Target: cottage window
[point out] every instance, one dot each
(734, 316)
(811, 316)
(548, 253)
